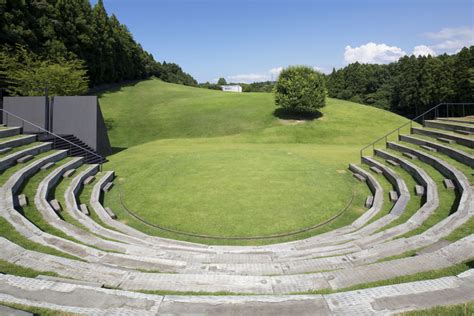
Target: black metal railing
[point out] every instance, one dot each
(440, 110)
(40, 130)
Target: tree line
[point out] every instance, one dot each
(76, 36)
(409, 86)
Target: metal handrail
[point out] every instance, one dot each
(55, 135)
(372, 144)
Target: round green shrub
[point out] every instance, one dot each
(300, 89)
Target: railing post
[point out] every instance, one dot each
(463, 110)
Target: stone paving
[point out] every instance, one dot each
(119, 256)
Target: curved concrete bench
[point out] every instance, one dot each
(397, 182)
(10, 131)
(377, 192)
(454, 153)
(469, 142)
(454, 253)
(466, 202)
(465, 209)
(18, 141)
(74, 298)
(449, 126)
(33, 233)
(11, 159)
(429, 206)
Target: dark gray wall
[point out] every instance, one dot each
(103, 143)
(81, 117)
(32, 109)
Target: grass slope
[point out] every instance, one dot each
(222, 164)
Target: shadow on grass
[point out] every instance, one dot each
(116, 150)
(112, 87)
(285, 114)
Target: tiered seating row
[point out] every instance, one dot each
(371, 249)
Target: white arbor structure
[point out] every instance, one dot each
(231, 88)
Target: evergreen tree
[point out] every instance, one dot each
(55, 29)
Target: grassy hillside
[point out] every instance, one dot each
(222, 164)
(152, 110)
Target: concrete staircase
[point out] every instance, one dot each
(101, 264)
(80, 150)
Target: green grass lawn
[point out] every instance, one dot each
(221, 164)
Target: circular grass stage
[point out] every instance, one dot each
(235, 191)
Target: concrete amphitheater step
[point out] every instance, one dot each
(378, 300)
(403, 194)
(464, 210)
(10, 131)
(11, 159)
(130, 252)
(462, 140)
(33, 233)
(20, 140)
(454, 153)
(429, 206)
(135, 246)
(466, 202)
(465, 119)
(454, 253)
(8, 311)
(449, 125)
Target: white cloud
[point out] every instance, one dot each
(450, 33)
(248, 78)
(320, 69)
(373, 53)
(451, 40)
(423, 50)
(271, 74)
(276, 71)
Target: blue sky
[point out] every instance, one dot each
(250, 40)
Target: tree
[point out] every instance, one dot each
(27, 74)
(464, 75)
(221, 82)
(300, 89)
(55, 29)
